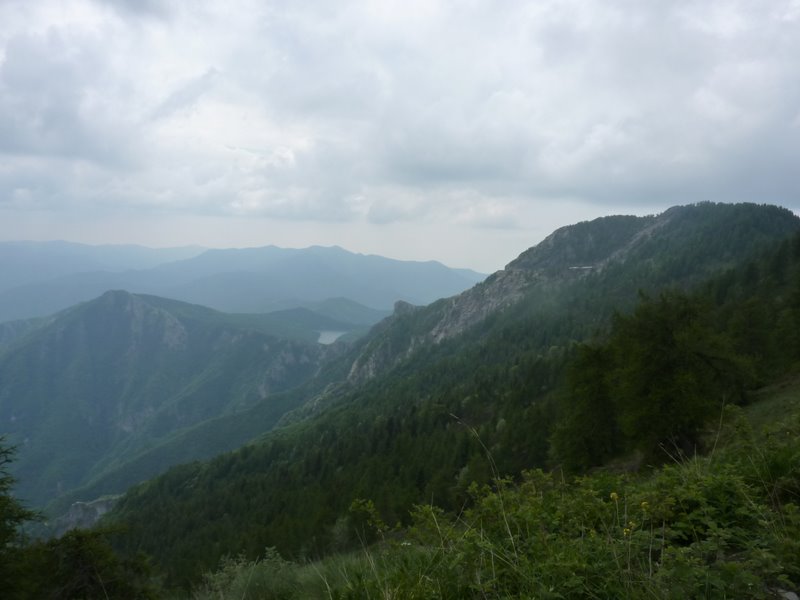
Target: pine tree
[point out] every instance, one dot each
(12, 515)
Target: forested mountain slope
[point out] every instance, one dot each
(441, 396)
(101, 383)
(11, 331)
(723, 525)
(578, 275)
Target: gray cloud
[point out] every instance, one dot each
(187, 95)
(140, 8)
(53, 103)
(470, 115)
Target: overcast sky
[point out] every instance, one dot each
(463, 131)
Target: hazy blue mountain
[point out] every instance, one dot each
(30, 262)
(11, 331)
(269, 278)
(103, 382)
(349, 311)
(250, 280)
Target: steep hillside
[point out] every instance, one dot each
(118, 375)
(442, 396)
(717, 526)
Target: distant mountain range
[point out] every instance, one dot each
(105, 393)
(38, 279)
(23, 263)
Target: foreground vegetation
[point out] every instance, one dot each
(79, 564)
(723, 525)
(664, 386)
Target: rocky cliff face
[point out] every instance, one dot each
(681, 243)
(567, 254)
(82, 515)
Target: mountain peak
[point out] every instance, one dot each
(583, 244)
(116, 296)
(132, 370)
(401, 307)
(682, 244)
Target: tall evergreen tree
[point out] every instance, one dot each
(12, 515)
(672, 372)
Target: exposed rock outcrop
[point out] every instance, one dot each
(568, 254)
(82, 515)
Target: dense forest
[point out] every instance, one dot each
(723, 525)
(587, 440)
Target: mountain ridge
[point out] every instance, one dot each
(131, 370)
(579, 253)
(249, 280)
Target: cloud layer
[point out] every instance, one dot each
(474, 115)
